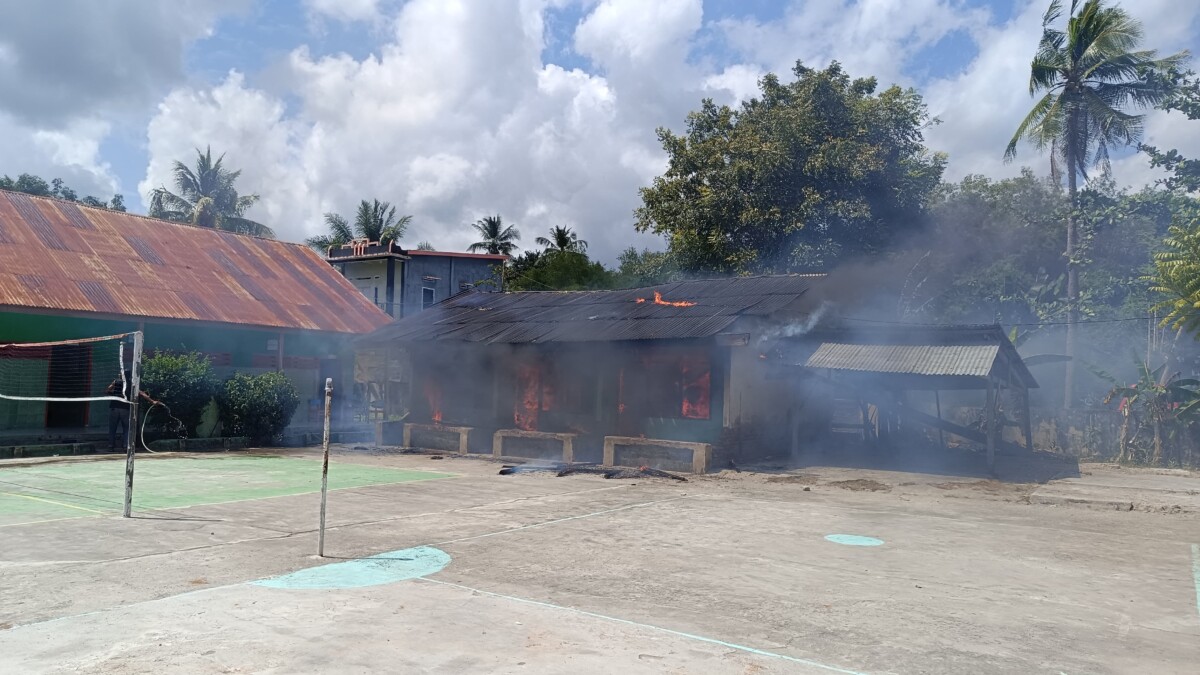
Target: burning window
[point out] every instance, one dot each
(667, 384)
(527, 403)
(433, 398)
(696, 380)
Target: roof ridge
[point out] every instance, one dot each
(150, 218)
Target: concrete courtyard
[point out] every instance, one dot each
(442, 566)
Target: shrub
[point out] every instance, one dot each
(184, 381)
(257, 406)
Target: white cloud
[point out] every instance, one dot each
(344, 10)
(982, 106)
(75, 70)
(456, 115)
(71, 153)
(445, 121)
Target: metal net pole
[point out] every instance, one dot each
(131, 426)
(325, 467)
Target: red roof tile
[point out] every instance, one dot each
(57, 255)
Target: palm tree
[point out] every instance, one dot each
(374, 221)
(496, 238)
(207, 197)
(1090, 72)
(425, 246)
(562, 239)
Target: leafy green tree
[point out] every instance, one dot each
(495, 237)
(810, 173)
(644, 268)
(425, 246)
(1091, 71)
(555, 271)
(374, 221)
(36, 185)
(1184, 98)
(562, 239)
(207, 197)
(1177, 274)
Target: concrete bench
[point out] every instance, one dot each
(657, 453)
(455, 438)
(554, 446)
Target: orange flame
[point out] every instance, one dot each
(433, 396)
(658, 300)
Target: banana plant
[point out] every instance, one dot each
(1161, 398)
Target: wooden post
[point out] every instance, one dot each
(325, 467)
(131, 425)
(991, 425)
(937, 398)
(1028, 421)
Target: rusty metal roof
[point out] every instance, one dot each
(581, 316)
(60, 256)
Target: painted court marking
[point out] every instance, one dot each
(376, 570)
(50, 501)
(853, 540)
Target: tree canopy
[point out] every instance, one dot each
(207, 197)
(810, 173)
(1093, 72)
(495, 237)
(36, 185)
(373, 220)
(563, 239)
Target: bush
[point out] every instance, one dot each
(257, 406)
(184, 381)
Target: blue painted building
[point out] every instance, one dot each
(404, 282)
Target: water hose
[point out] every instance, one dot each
(180, 427)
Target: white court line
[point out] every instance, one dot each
(627, 622)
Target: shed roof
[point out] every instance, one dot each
(60, 256)
(949, 351)
(702, 308)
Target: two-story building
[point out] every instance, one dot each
(403, 282)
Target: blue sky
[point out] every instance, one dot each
(542, 110)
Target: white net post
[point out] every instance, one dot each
(130, 429)
(325, 467)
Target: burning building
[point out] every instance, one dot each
(685, 376)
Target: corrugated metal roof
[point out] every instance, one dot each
(57, 255)
(969, 360)
(581, 316)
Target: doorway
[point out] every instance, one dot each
(69, 376)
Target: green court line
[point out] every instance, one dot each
(46, 491)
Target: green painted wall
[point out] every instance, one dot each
(241, 344)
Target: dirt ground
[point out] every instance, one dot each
(440, 565)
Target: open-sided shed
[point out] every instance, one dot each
(879, 363)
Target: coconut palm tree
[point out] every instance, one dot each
(374, 221)
(207, 197)
(1091, 72)
(562, 238)
(425, 246)
(496, 238)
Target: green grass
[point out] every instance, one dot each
(69, 490)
